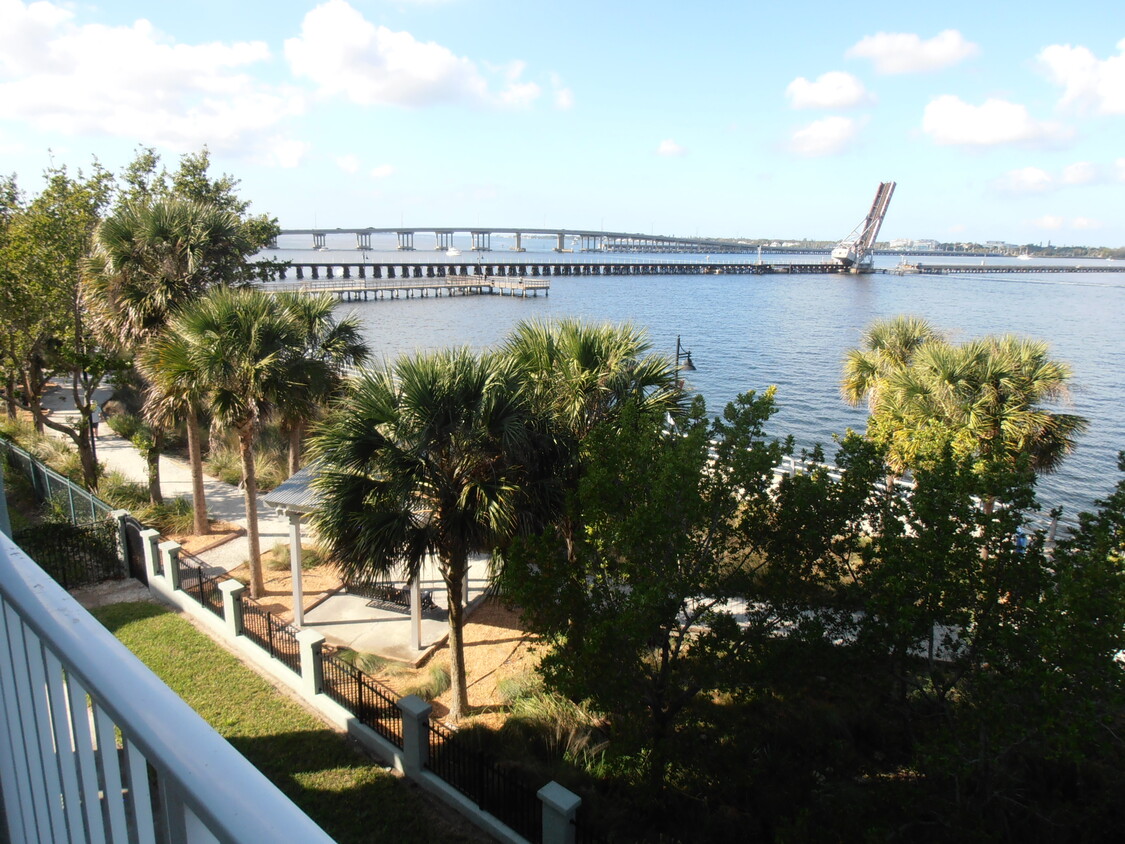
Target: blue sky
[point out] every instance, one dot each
(999, 121)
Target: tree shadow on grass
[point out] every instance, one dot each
(348, 795)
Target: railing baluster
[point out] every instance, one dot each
(112, 786)
(140, 794)
(64, 744)
(21, 772)
(87, 766)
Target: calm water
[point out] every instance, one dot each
(747, 332)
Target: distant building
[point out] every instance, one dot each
(906, 244)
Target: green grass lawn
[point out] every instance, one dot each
(350, 797)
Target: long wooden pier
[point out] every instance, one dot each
(445, 276)
(409, 288)
(949, 269)
(540, 269)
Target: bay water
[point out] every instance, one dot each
(746, 332)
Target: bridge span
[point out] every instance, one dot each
(565, 240)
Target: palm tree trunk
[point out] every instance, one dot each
(250, 484)
(295, 431)
(152, 457)
(201, 526)
(454, 576)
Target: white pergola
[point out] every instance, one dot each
(296, 498)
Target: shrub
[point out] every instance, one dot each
(225, 464)
(117, 490)
(126, 425)
(277, 558)
(170, 518)
(435, 683)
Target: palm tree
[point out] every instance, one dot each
(582, 373)
(238, 350)
(329, 348)
(888, 347)
(991, 391)
(424, 459)
(175, 393)
(149, 259)
(983, 398)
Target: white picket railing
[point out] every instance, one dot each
(94, 747)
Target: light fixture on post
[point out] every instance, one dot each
(684, 355)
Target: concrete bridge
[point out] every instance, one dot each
(565, 240)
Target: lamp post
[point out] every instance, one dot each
(684, 355)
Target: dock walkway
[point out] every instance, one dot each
(375, 288)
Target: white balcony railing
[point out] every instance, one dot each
(94, 747)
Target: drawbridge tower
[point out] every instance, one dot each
(854, 252)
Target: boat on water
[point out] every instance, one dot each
(1023, 256)
(453, 252)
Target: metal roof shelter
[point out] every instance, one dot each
(295, 498)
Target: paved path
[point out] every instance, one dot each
(344, 620)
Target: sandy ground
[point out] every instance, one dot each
(316, 584)
(496, 648)
(221, 532)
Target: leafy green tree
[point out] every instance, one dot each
(671, 530)
(237, 349)
(425, 460)
(579, 376)
(47, 242)
(11, 203)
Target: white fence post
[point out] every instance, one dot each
(415, 734)
(151, 538)
(312, 669)
(232, 605)
(559, 808)
(170, 560)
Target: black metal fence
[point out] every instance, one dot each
(203, 587)
(504, 794)
(366, 698)
(271, 634)
(74, 555)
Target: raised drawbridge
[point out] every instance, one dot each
(854, 251)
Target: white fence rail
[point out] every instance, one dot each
(94, 747)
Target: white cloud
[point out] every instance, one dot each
(906, 52)
(135, 82)
(1049, 222)
(824, 137)
(1088, 83)
(382, 171)
(1025, 180)
(564, 97)
(1080, 173)
(286, 153)
(834, 89)
(348, 163)
(951, 121)
(1085, 223)
(346, 55)
(670, 149)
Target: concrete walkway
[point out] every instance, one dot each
(344, 620)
